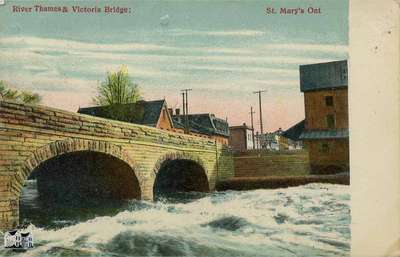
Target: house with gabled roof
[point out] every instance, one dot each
(204, 125)
(291, 137)
(156, 114)
(148, 113)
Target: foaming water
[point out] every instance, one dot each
(311, 220)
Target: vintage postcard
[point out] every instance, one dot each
(175, 128)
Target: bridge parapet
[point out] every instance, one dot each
(55, 122)
(31, 135)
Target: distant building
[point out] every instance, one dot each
(291, 137)
(204, 125)
(326, 133)
(270, 140)
(241, 138)
(148, 113)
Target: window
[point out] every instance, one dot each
(329, 100)
(324, 148)
(330, 121)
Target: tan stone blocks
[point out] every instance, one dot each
(31, 135)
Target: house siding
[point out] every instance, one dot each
(316, 110)
(237, 139)
(240, 138)
(164, 122)
(336, 159)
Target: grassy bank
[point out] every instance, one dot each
(248, 183)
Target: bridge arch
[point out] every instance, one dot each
(179, 171)
(56, 149)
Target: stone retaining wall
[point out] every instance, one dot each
(271, 163)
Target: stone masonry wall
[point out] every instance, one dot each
(271, 163)
(30, 135)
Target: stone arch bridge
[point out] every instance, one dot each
(136, 160)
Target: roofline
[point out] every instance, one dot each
(215, 129)
(321, 137)
(295, 124)
(215, 133)
(206, 133)
(319, 63)
(168, 114)
(241, 126)
(98, 106)
(340, 87)
(194, 114)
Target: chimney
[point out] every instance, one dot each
(177, 111)
(171, 111)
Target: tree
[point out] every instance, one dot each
(30, 98)
(26, 97)
(7, 93)
(117, 89)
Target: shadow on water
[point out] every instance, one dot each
(77, 186)
(53, 213)
(180, 181)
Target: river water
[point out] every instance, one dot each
(311, 220)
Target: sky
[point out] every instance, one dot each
(222, 50)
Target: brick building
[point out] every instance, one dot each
(326, 133)
(241, 138)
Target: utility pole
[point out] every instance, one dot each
(186, 107)
(252, 126)
(259, 103)
(183, 103)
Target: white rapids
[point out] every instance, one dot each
(311, 220)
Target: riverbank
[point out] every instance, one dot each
(272, 182)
